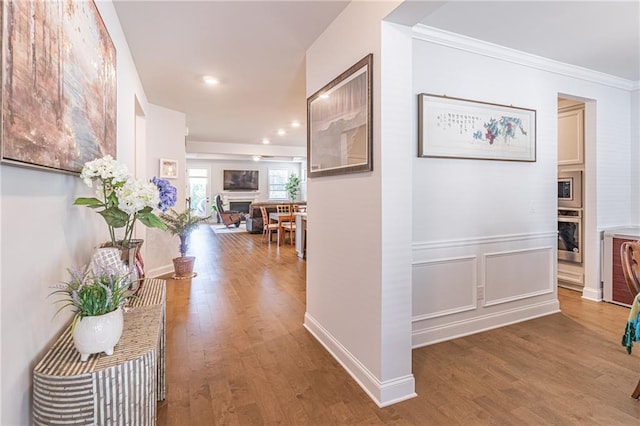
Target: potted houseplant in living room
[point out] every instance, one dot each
(97, 294)
(182, 224)
(292, 187)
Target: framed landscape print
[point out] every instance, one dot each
(58, 85)
(339, 123)
(461, 128)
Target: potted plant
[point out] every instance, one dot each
(182, 224)
(292, 187)
(97, 295)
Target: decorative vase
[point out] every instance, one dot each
(97, 334)
(183, 267)
(132, 259)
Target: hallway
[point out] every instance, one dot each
(237, 354)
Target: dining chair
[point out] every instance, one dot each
(268, 227)
(630, 259)
(289, 226)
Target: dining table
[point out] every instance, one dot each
(279, 218)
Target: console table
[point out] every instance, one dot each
(120, 389)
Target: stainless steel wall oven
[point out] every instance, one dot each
(570, 235)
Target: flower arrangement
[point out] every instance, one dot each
(95, 291)
(124, 200)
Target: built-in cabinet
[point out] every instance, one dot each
(571, 162)
(615, 287)
(571, 136)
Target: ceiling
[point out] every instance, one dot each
(257, 52)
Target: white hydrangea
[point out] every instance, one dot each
(135, 195)
(104, 169)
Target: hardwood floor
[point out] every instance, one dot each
(237, 354)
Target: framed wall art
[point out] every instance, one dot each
(339, 123)
(461, 128)
(58, 85)
(168, 169)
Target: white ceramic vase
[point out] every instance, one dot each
(98, 334)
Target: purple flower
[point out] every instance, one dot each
(168, 193)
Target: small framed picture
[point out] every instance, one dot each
(168, 169)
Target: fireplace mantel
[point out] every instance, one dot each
(251, 196)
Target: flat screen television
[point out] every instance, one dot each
(240, 180)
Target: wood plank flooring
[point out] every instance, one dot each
(237, 354)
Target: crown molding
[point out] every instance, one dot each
(468, 44)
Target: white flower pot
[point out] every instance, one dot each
(98, 334)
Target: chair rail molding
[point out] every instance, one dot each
(465, 286)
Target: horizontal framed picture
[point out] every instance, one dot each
(168, 169)
(340, 119)
(462, 128)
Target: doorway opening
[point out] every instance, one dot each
(198, 181)
(571, 169)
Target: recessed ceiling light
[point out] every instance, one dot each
(295, 123)
(256, 158)
(281, 132)
(265, 141)
(211, 81)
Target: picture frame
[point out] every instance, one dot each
(168, 169)
(340, 123)
(461, 128)
(59, 93)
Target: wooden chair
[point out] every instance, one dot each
(287, 226)
(268, 228)
(228, 217)
(290, 227)
(630, 257)
(283, 208)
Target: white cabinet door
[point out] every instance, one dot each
(571, 137)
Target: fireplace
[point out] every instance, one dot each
(239, 206)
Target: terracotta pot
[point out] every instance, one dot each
(97, 334)
(183, 266)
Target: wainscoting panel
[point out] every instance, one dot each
(517, 274)
(454, 282)
(462, 287)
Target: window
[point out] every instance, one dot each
(198, 179)
(277, 181)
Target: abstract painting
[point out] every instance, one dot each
(58, 85)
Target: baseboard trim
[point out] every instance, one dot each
(592, 294)
(454, 330)
(157, 272)
(383, 393)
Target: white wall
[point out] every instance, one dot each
(42, 235)
(216, 168)
(165, 136)
(355, 307)
(484, 232)
(635, 155)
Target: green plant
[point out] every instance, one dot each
(292, 187)
(182, 224)
(95, 291)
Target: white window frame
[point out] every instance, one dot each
(270, 184)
